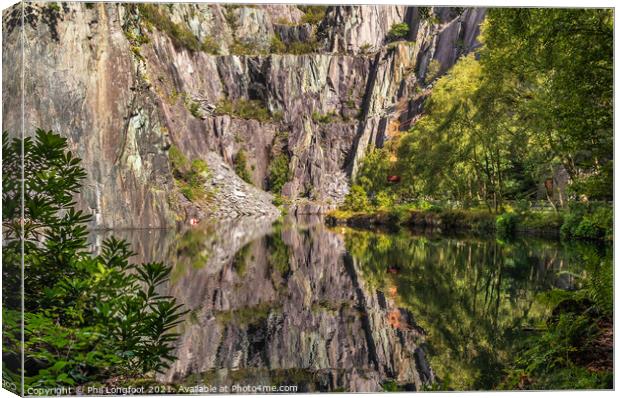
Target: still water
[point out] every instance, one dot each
(335, 309)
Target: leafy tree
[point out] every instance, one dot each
(356, 199)
(559, 66)
(536, 99)
(374, 170)
(87, 318)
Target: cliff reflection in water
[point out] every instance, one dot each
(300, 304)
(286, 308)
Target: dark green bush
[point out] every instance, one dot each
(194, 109)
(327, 118)
(87, 318)
(302, 47)
(398, 31)
(598, 186)
(588, 221)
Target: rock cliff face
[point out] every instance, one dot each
(126, 83)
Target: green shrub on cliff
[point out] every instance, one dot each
(277, 46)
(194, 109)
(241, 167)
(180, 35)
(88, 318)
(278, 173)
(246, 109)
(329, 117)
(313, 15)
(398, 31)
(210, 46)
(190, 177)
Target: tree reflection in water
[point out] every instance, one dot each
(474, 298)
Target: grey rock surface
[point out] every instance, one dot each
(123, 102)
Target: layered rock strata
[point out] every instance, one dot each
(126, 83)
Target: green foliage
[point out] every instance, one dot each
(540, 221)
(241, 167)
(327, 118)
(447, 154)
(366, 49)
(194, 109)
(554, 348)
(536, 99)
(383, 200)
(588, 221)
(391, 386)
(246, 109)
(398, 31)
(180, 35)
(425, 13)
(373, 173)
(191, 177)
(313, 15)
(432, 71)
(245, 47)
(279, 200)
(87, 318)
(599, 287)
(558, 67)
(247, 315)
(54, 6)
(506, 223)
(297, 47)
(482, 292)
(570, 349)
(278, 173)
(210, 46)
(356, 199)
(277, 46)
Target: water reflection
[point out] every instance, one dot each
(474, 298)
(296, 303)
